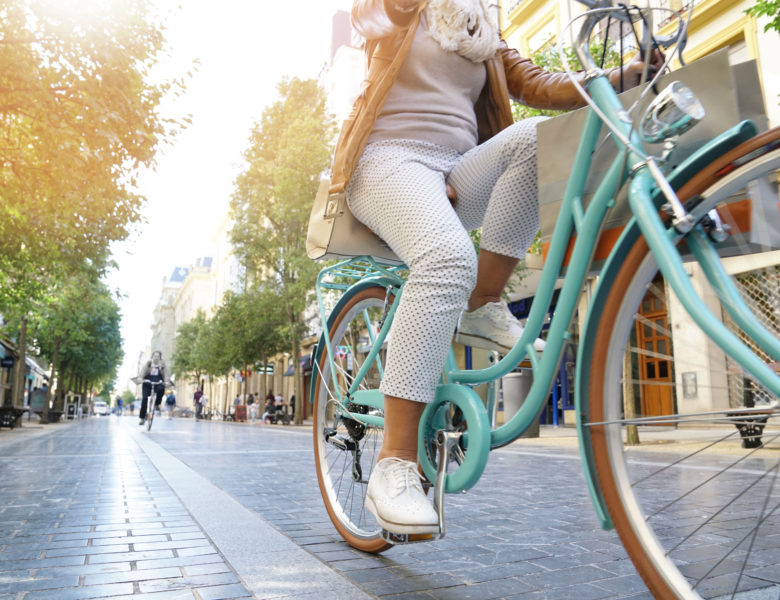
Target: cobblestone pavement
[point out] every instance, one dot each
(85, 512)
(541, 541)
(101, 509)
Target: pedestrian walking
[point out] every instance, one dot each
(197, 396)
(252, 408)
(170, 404)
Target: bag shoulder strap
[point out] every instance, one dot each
(385, 57)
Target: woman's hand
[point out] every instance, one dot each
(632, 72)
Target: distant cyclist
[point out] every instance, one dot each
(152, 373)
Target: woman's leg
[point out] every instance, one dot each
(159, 392)
(398, 191)
(400, 435)
(146, 390)
(493, 273)
(497, 189)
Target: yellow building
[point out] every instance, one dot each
(692, 383)
(529, 25)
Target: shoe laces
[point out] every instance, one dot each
(403, 476)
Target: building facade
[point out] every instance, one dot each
(699, 380)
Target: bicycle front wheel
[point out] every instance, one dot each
(345, 450)
(684, 440)
(149, 412)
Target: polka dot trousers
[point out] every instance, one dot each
(398, 190)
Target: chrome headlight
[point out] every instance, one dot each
(673, 112)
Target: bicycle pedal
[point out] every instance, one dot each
(409, 538)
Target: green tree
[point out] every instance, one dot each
(254, 324)
(769, 9)
(78, 331)
(216, 345)
(289, 148)
(189, 359)
(78, 117)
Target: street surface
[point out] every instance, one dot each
(210, 510)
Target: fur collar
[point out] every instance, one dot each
(463, 26)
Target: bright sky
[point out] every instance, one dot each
(245, 47)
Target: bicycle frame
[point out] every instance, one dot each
(586, 222)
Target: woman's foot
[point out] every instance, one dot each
(492, 327)
(396, 498)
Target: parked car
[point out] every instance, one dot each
(100, 408)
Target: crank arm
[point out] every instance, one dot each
(445, 441)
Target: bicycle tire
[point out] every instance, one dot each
(342, 486)
(680, 507)
(149, 412)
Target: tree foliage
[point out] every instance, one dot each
(189, 359)
(78, 117)
(78, 330)
(289, 148)
(769, 9)
(253, 324)
(549, 59)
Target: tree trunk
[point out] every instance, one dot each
(17, 389)
(226, 404)
(632, 433)
(265, 376)
(297, 379)
(55, 365)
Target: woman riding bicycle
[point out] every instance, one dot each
(153, 373)
(429, 152)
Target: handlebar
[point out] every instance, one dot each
(138, 380)
(599, 9)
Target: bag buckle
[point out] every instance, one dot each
(334, 207)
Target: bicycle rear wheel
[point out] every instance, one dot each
(689, 471)
(344, 450)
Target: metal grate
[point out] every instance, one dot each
(761, 291)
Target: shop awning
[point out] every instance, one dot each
(33, 365)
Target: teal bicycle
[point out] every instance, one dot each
(679, 336)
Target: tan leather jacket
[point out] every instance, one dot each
(389, 36)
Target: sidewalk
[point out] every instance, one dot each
(95, 509)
